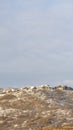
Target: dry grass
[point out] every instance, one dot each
(62, 128)
(39, 110)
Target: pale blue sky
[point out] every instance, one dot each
(36, 42)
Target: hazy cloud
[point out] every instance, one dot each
(36, 41)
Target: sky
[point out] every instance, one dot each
(36, 42)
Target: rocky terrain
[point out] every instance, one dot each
(32, 108)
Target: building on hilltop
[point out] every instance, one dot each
(45, 87)
(59, 87)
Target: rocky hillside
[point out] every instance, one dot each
(34, 108)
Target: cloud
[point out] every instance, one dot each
(36, 40)
(65, 82)
(68, 82)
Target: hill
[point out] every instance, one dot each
(40, 108)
